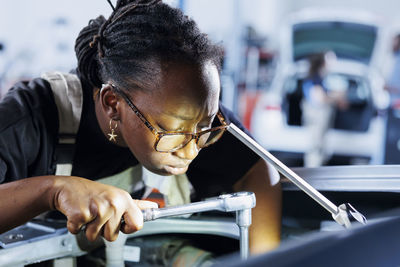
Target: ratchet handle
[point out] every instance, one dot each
(148, 215)
(226, 203)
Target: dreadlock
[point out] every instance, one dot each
(137, 34)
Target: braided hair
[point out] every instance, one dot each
(129, 46)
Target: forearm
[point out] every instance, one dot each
(265, 230)
(97, 206)
(24, 199)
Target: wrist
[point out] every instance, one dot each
(51, 190)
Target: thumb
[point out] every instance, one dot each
(145, 204)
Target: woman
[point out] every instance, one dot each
(318, 106)
(150, 97)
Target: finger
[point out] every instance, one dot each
(76, 221)
(94, 229)
(133, 218)
(74, 228)
(104, 213)
(112, 227)
(145, 204)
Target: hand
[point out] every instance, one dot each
(98, 206)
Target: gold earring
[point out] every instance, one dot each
(112, 135)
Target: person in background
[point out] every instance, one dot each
(151, 110)
(317, 106)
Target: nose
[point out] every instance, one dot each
(188, 152)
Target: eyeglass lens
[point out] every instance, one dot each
(172, 142)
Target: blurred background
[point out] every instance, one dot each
(316, 82)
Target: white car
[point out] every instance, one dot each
(358, 42)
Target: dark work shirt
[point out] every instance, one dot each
(29, 133)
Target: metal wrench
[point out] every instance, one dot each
(342, 214)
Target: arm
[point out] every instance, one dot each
(265, 230)
(84, 202)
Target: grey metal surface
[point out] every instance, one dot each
(31, 252)
(66, 245)
(370, 178)
(227, 228)
(30, 231)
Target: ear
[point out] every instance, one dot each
(109, 101)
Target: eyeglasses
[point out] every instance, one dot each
(170, 141)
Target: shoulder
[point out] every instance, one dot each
(230, 117)
(28, 130)
(26, 99)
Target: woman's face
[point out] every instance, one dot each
(183, 98)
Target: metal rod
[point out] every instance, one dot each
(244, 242)
(243, 220)
(152, 214)
(282, 168)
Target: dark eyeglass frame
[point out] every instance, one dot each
(160, 134)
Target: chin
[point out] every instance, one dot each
(162, 172)
(158, 171)
(168, 170)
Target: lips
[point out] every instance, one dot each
(175, 170)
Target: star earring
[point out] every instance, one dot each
(112, 135)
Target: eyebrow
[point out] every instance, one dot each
(186, 118)
(178, 116)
